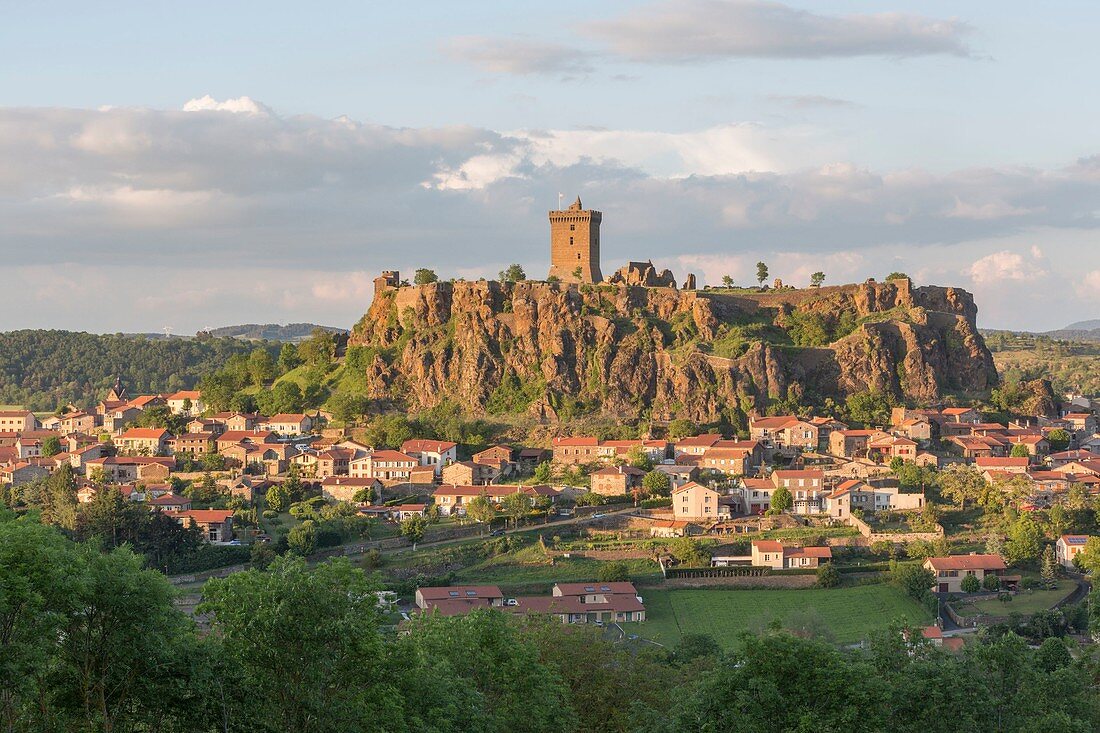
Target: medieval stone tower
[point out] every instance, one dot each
(575, 244)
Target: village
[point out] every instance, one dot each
(939, 517)
(786, 505)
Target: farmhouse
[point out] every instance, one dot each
(1068, 547)
(772, 554)
(951, 570)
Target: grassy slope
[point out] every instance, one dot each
(1026, 603)
(850, 613)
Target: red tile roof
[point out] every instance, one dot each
(967, 562)
(427, 446)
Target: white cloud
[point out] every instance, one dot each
(240, 105)
(1089, 286)
(297, 212)
(692, 30)
(519, 55)
(1006, 265)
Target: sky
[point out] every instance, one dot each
(191, 165)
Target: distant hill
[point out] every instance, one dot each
(1079, 331)
(43, 369)
(270, 331)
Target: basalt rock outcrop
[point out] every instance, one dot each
(627, 350)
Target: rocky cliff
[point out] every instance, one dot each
(623, 350)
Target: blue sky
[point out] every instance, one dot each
(322, 143)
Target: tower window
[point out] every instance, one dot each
(570, 241)
(572, 227)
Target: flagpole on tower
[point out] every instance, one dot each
(560, 196)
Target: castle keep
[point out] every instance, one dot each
(575, 244)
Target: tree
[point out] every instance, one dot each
(772, 683)
(681, 428)
(828, 576)
(638, 458)
(487, 657)
(1059, 439)
(1020, 451)
(991, 582)
(761, 272)
(781, 499)
(870, 408)
(970, 584)
(727, 281)
(277, 498)
(295, 491)
(481, 509)
(305, 645)
(302, 540)
(961, 484)
(897, 276)
(1053, 655)
(413, 528)
(261, 367)
(516, 505)
(513, 273)
(1025, 541)
(205, 491)
(544, 472)
(689, 552)
(425, 276)
(913, 578)
(288, 358)
(816, 279)
(51, 445)
(1048, 571)
(319, 349)
(657, 483)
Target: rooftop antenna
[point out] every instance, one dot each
(560, 197)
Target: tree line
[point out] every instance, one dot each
(45, 369)
(93, 642)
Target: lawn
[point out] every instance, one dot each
(516, 575)
(1025, 602)
(848, 614)
(522, 569)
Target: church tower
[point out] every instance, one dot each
(575, 244)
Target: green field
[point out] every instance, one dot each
(1026, 602)
(848, 615)
(518, 576)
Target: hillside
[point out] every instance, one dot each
(563, 350)
(1071, 365)
(292, 332)
(42, 369)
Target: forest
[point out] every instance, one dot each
(92, 641)
(43, 370)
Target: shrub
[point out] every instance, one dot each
(991, 582)
(613, 572)
(971, 584)
(270, 514)
(372, 559)
(656, 503)
(828, 576)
